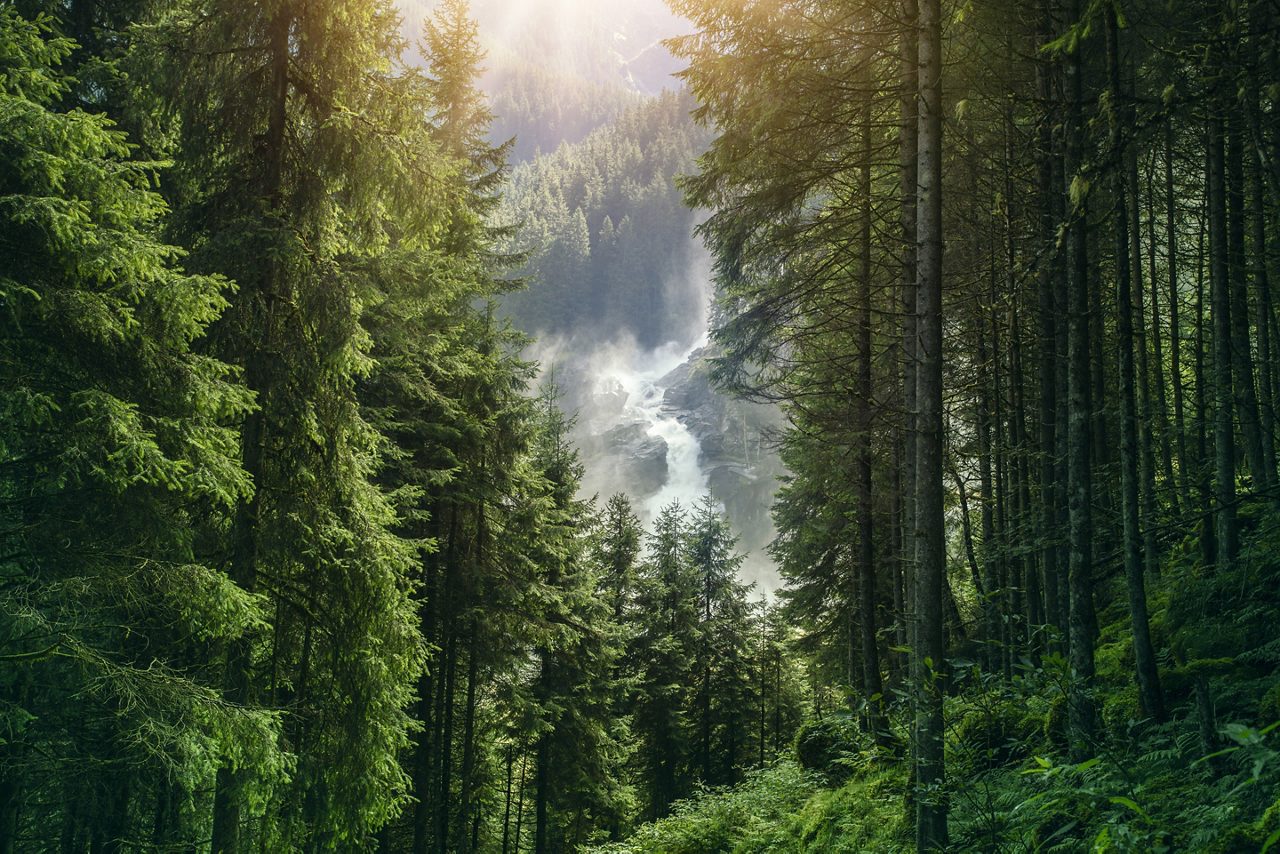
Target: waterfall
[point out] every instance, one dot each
(640, 377)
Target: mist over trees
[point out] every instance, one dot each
(607, 230)
(294, 554)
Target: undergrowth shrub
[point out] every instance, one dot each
(828, 746)
(725, 820)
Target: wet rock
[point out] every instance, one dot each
(641, 459)
(741, 466)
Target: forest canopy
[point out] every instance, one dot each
(294, 549)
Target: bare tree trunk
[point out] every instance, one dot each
(468, 740)
(1246, 397)
(1220, 304)
(1082, 714)
(1185, 464)
(506, 801)
(1161, 428)
(1145, 420)
(995, 648)
(872, 688)
(931, 804)
(1204, 481)
(524, 779)
(1048, 281)
(1150, 699)
(423, 752)
(908, 141)
(1266, 316)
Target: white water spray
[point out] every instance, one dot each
(640, 377)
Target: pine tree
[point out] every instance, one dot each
(667, 644)
(114, 442)
(299, 154)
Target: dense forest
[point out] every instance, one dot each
(294, 554)
(605, 230)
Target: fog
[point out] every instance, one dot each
(640, 414)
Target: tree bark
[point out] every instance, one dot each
(1082, 715)
(1266, 316)
(1203, 478)
(1224, 448)
(1161, 426)
(1185, 464)
(1150, 700)
(1049, 281)
(873, 690)
(930, 802)
(1246, 397)
(908, 141)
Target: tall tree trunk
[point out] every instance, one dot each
(897, 657)
(468, 739)
(1266, 314)
(1005, 603)
(872, 688)
(1224, 450)
(1246, 397)
(506, 801)
(1161, 428)
(994, 647)
(1185, 464)
(445, 695)
(1049, 282)
(226, 821)
(908, 141)
(1146, 420)
(930, 802)
(1150, 700)
(1033, 604)
(1204, 480)
(424, 753)
(542, 795)
(1082, 715)
(524, 780)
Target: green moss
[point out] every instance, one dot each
(1119, 707)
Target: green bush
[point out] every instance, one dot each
(866, 815)
(828, 746)
(724, 821)
(994, 732)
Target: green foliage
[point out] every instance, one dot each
(864, 815)
(605, 229)
(742, 819)
(828, 745)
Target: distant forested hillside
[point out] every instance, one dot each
(554, 70)
(539, 108)
(606, 228)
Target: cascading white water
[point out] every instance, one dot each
(640, 378)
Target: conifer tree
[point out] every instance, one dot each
(115, 441)
(300, 145)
